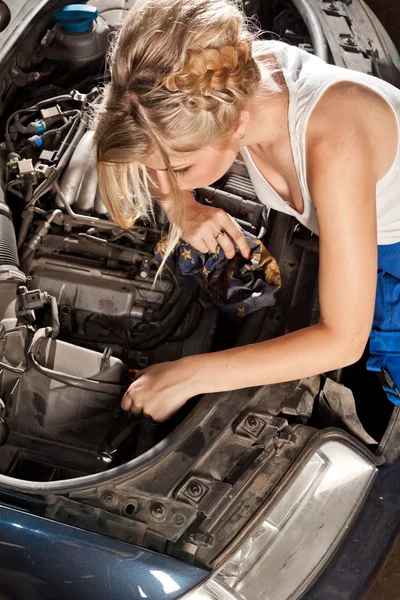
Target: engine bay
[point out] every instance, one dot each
(86, 312)
(80, 313)
(89, 315)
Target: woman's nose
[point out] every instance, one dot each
(164, 182)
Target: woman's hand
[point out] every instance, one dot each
(205, 227)
(160, 390)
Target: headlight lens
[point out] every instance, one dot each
(298, 535)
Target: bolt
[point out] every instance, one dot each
(252, 422)
(349, 41)
(144, 274)
(195, 489)
(157, 511)
(108, 498)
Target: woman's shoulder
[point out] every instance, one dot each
(350, 103)
(356, 116)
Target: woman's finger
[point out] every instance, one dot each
(211, 242)
(234, 232)
(126, 402)
(226, 244)
(197, 243)
(136, 410)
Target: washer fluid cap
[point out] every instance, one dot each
(76, 18)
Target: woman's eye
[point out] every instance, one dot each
(181, 172)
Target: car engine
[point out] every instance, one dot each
(80, 310)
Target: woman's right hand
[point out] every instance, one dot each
(205, 228)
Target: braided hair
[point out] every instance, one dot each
(181, 72)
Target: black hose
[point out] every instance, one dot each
(149, 341)
(191, 328)
(310, 18)
(161, 313)
(10, 188)
(149, 434)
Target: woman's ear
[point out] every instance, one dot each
(243, 121)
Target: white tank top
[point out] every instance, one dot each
(307, 78)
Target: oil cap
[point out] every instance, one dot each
(76, 18)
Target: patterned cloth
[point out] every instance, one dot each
(236, 286)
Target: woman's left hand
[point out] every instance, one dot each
(160, 390)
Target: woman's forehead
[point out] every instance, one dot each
(177, 160)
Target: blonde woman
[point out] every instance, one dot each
(189, 89)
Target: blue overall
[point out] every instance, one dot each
(384, 341)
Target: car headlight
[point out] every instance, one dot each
(297, 536)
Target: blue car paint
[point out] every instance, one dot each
(44, 560)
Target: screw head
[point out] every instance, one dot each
(157, 511)
(252, 422)
(109, 498)
(195, 489)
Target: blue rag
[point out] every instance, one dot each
(237, 286)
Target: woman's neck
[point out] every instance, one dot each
(268, 121)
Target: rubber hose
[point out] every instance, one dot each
(191, 327)
(154, 339)
(8, 242)
(314, 27)
(150, 433)
(160, 314)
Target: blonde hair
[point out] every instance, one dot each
(181, 72)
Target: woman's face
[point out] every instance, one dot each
(193, 170)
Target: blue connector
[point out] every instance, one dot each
(36, 141)
(40, 126)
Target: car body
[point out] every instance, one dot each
(278, 492)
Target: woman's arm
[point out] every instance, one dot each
(342, 176)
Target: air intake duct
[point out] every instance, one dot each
(8, 242)
(10, 274)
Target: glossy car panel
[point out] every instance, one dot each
(43, 559)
